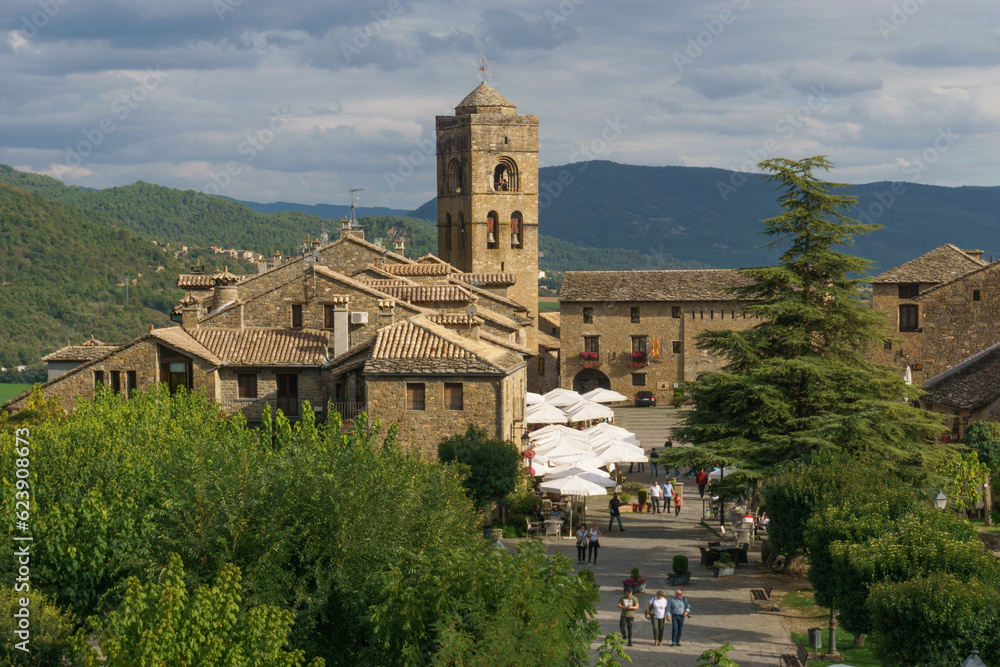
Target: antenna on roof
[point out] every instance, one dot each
(354, 221)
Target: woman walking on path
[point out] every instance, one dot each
(581, 543)
(656, 611)
(594, 544)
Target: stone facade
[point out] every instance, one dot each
(422, 430)
(671, 326)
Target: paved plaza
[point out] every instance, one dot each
(721, 611)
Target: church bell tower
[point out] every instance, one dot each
(487, 175)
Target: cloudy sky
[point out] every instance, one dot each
(301, 101)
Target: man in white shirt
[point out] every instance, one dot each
(656, 495)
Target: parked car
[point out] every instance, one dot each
(644, 398)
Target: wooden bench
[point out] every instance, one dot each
(760, 594)
(800, 659)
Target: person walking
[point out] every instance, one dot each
(593, 543)
(628, 604)
(701, 479)
(677, 504)
(678, 609)
(613, 505)
(656, 495)
(654, 467)
(581, 543)
(656, 611)
(668, 496)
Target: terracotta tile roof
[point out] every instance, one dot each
(265, 347)
(943, 264)
(432, 258)
(420, 346)
(373, 272)
(488, 279)
(195, 281)
(453, 319)
(971, 385)
(419, 269)
(387, 282)
(427, 293)
(692, 285)
(497, 318)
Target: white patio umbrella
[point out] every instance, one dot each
(601, 395)
(533, 399)
(908, 375)
(562, 447)
(548, 431)
(571, 469)
(588, 411)
(617, 451)
(584, 458)
(562, 433)
(605, 427)
(544, 413)
(573, 486)
(561, 397)
(603, 437)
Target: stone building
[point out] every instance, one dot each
(940, 309)
(635, 330)
(967, 392)
(431, 344)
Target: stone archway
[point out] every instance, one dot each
(590, 378)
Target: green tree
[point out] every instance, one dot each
(798, 384)
(160, 625)
(48, 634)
(493, 465)
(935, 620)
(966, 476)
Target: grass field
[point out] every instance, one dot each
(547, 306)
(9, 391)
(801, 604)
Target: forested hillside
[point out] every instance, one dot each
(63, 275)
(713, 215)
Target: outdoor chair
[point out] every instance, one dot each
(533, 528)
(743, 537)
(546, 505)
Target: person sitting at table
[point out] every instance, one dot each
(538, 513)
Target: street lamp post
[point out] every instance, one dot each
(940, 500)
(973, 660)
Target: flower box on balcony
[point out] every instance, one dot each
(589, 356)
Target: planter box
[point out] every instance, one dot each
(724, 571)
(679, 579)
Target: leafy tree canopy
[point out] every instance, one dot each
(494, 466)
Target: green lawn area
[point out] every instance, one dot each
(548, 306)
(978, 523)
(802, 602)
(9, 391)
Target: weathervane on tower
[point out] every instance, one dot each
(483, 65)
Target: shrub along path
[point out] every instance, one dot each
(721, 611)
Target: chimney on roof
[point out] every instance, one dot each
(225, 290)
(386, 312)
(974, 254)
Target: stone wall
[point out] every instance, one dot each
(548, 379)
(612, 322)
(142, 357)
(420, 431)
(907, 346)
(311, 387)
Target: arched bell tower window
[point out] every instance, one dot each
(505, 176)
(492, 230)
(516, 230)
(454, 176)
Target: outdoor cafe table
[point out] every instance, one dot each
(553, 527)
